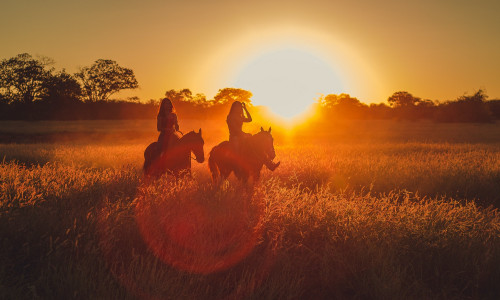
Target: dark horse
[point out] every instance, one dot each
(254, 151)
(177, 159)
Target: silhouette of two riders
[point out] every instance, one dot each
(244, 154)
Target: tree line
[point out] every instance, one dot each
(403, 105)
(31, 89)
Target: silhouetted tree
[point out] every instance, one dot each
(229, 95)
(403, 99)
(342, 106)
(465, 109)
(332, 100)
(22, 78)
(104, 78)
(181, 95)
(494, 107)
(405, 106)
(61, 88)
(185, 95)
(328, 101)
(379, 111)
(4, 108)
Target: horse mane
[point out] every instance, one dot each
(188, 136)
(258, 137)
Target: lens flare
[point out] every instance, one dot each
(192, 233)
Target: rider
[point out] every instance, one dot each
(166, 123)
(237, 115)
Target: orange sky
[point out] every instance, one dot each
(434, 49)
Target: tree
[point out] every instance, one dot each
(22, 78)
(104, 78)
(494, 107)
(342, 100)
(61, 88)
(185, 95)
(342, 105)
(403, 99)
(182, 95)
(380, 111)
(466, 109)
(229, 95)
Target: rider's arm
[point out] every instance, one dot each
(248, 116)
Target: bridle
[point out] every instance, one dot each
(190, 155)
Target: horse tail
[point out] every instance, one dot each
(149, 156)
(212, 164)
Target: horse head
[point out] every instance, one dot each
(195, 142)
(266, 144)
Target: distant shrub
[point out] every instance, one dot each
(465, 109)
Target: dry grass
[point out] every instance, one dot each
(339, 219)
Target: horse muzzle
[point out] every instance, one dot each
(272, 155)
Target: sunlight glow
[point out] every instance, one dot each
(287, 67)
(287, 80)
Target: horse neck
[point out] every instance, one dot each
(187, 141)
(257, 149)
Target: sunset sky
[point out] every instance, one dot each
(434, 49)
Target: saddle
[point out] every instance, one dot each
(240, 143)
(171, 141)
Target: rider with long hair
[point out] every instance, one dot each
(166, 123)
(238, 114)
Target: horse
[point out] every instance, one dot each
(177, 159)
(246, 163)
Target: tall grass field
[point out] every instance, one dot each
(363, 210)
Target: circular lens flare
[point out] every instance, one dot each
(199, 235)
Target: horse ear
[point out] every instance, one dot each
(261, 129)
(199, 131)
(269, 129)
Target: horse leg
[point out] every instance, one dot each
(224, 170)
(242, 175)
(256, 175)
(213, 167)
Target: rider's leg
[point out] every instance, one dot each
(165, 142)
(235, 142)
(161, 138)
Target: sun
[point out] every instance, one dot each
(287, 80)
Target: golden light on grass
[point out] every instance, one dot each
(385, 196)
